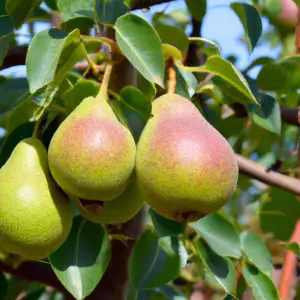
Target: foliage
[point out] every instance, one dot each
(228, 251)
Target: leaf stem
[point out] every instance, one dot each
(38, 126)
(104, 85)
(91, 63)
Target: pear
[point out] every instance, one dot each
(92, 155)
(185, 168)
(119, 210)
(35, 217)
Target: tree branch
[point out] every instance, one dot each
(258, 172)
(140, 4)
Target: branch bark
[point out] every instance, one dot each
(258, 172)
(140, 4)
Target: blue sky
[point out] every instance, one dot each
(220, 24)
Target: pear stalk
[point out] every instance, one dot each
(102, 95)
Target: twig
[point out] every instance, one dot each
(206, 80)
(298, 33)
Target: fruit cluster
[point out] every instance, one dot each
(181, 167)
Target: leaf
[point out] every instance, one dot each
(220, 268)
(197, 8)
(186, 83)
(223, 68)
(277, 216)
(259, 61)
(21, 132)
(261, 285)
(155, 261)
(57, 53)
(13, 91)
(148, 88)
(19, 10)
(294, 247)
(268, 115)
(251, 21)
(171, 51)
(3, 287)
(141, 45)
(83, 88)
(172, 35)
(83, 259)
(72, 9)
(206, 46)
(165, 227)
(256, 252)
(6, 26)
(220, 234)
(136, 100)
(109, 10)
(4, 45)
(151, 295)
(285, 75)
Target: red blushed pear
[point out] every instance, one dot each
(185, 168)
(92, 155)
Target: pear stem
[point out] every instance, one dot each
(172, 77)
(37, 127)
(102, 95)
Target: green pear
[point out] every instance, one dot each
(119, 210)
(185, 168)
(35, 217)
(92, 155)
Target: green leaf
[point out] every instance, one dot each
(220, 268)
(21, 114)
(186, 83)
(268, 115)
(21, 132)
(83, 88)
(6, 26)
(134, 99)
(261, 285)
(171, 51)
(206, 46)
(258, 62)
(6, 30)
(4, 45)
(146, 87)
(220, 234)
(57, 53)
(285, 75)
(141, 45)
(3, 287)
(297, 2)
(151, 295)
(13, 91)
(19, 10)
(279, 217)
(72, 9)
(197, 8)
(251, 21)
(256, 252)
(223, 68)
(165, 227)
(83, 259)
(294, 247)
(51, 4)
(172, 35)
(110, 10)
(156, 261)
